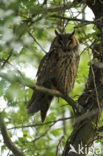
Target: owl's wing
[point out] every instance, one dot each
(41, 101)
(46, 70)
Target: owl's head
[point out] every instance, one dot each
(66, 42)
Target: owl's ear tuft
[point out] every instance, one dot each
(56, 33)
(73, 33)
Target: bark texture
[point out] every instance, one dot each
(85, 130)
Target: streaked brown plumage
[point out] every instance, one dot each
(58, 69)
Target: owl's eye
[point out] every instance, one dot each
(60, 40)
(70, 40)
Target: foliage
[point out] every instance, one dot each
(20, 55)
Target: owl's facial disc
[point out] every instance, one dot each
(65, 43)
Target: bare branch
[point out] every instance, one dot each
(42, 124)
(37, 42)
(7, 138)
(97, 96)
(98, 64)
(72, 19)
(6, 60)
(56, 8)
(87, 115)
(80, 118)
(60, 140)
(85, 22)
(42, 135)
(43, 10)
(56, 93)
(53, 92)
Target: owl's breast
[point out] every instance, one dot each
(66, 72)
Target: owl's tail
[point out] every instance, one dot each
(39, 102)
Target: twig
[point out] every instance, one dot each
(60, 140)
(97, 97)
(39, 137)
(55, 8)
(82, 117)
(85, 22)
(94, 139)
(82, 25)
(72, 19)
(7, 138)
(44, 11)
(6, 60)
(37, 42)
(42, 124)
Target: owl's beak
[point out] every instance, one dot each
(66, 49)
(67, 45)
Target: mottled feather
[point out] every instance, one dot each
(58, 69)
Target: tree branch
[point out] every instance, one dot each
(6, 60)
(43, 11)
(78, 120)
(98, 64)
(7, 139)
(53, 92)
(56, 8)
(37, 42)
(73, 19)
(42, 124)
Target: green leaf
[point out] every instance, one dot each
(56, 132)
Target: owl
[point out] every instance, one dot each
(57, 70)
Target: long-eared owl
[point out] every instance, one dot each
(57, 70)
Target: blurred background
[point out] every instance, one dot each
(26, 32)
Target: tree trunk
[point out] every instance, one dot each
(86, 125)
